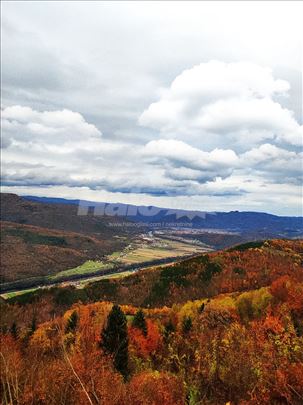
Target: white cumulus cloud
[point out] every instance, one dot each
(181, 158)
(279, 165)
(234, 101)
(23, 124)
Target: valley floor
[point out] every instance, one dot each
(143, 251)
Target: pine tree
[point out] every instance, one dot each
(169, 328)
(139, 322)
(33, 326)
(187, 324)
(201, 308)
(115, 339)
(14, 330)
(72, 323)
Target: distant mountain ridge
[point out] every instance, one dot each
(263, 224)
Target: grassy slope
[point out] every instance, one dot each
(90, 266)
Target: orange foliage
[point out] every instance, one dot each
(156, 389)
(279, 288)
(11, 367)
(144, 346)
(273, 325)
(285, 289)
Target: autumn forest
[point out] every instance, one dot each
(224, 327)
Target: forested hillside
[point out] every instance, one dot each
(58, 216)
(28, 251)
(244, 267)
(226, 327)
(39, 239)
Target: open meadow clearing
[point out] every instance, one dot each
(158, 249)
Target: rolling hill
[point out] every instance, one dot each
(60, 217)
(28, 251)
(40, 239)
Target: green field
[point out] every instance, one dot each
(90, 266)
(139, 253)
(15, 293)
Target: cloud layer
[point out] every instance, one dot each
(60, 148)
(126, 110)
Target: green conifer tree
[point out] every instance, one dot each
(14, 330)
(169, 328)
(114, 339)
(33, 326)
(187, 324)
(139, 322)
(72, 323)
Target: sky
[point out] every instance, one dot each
(191, 105)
